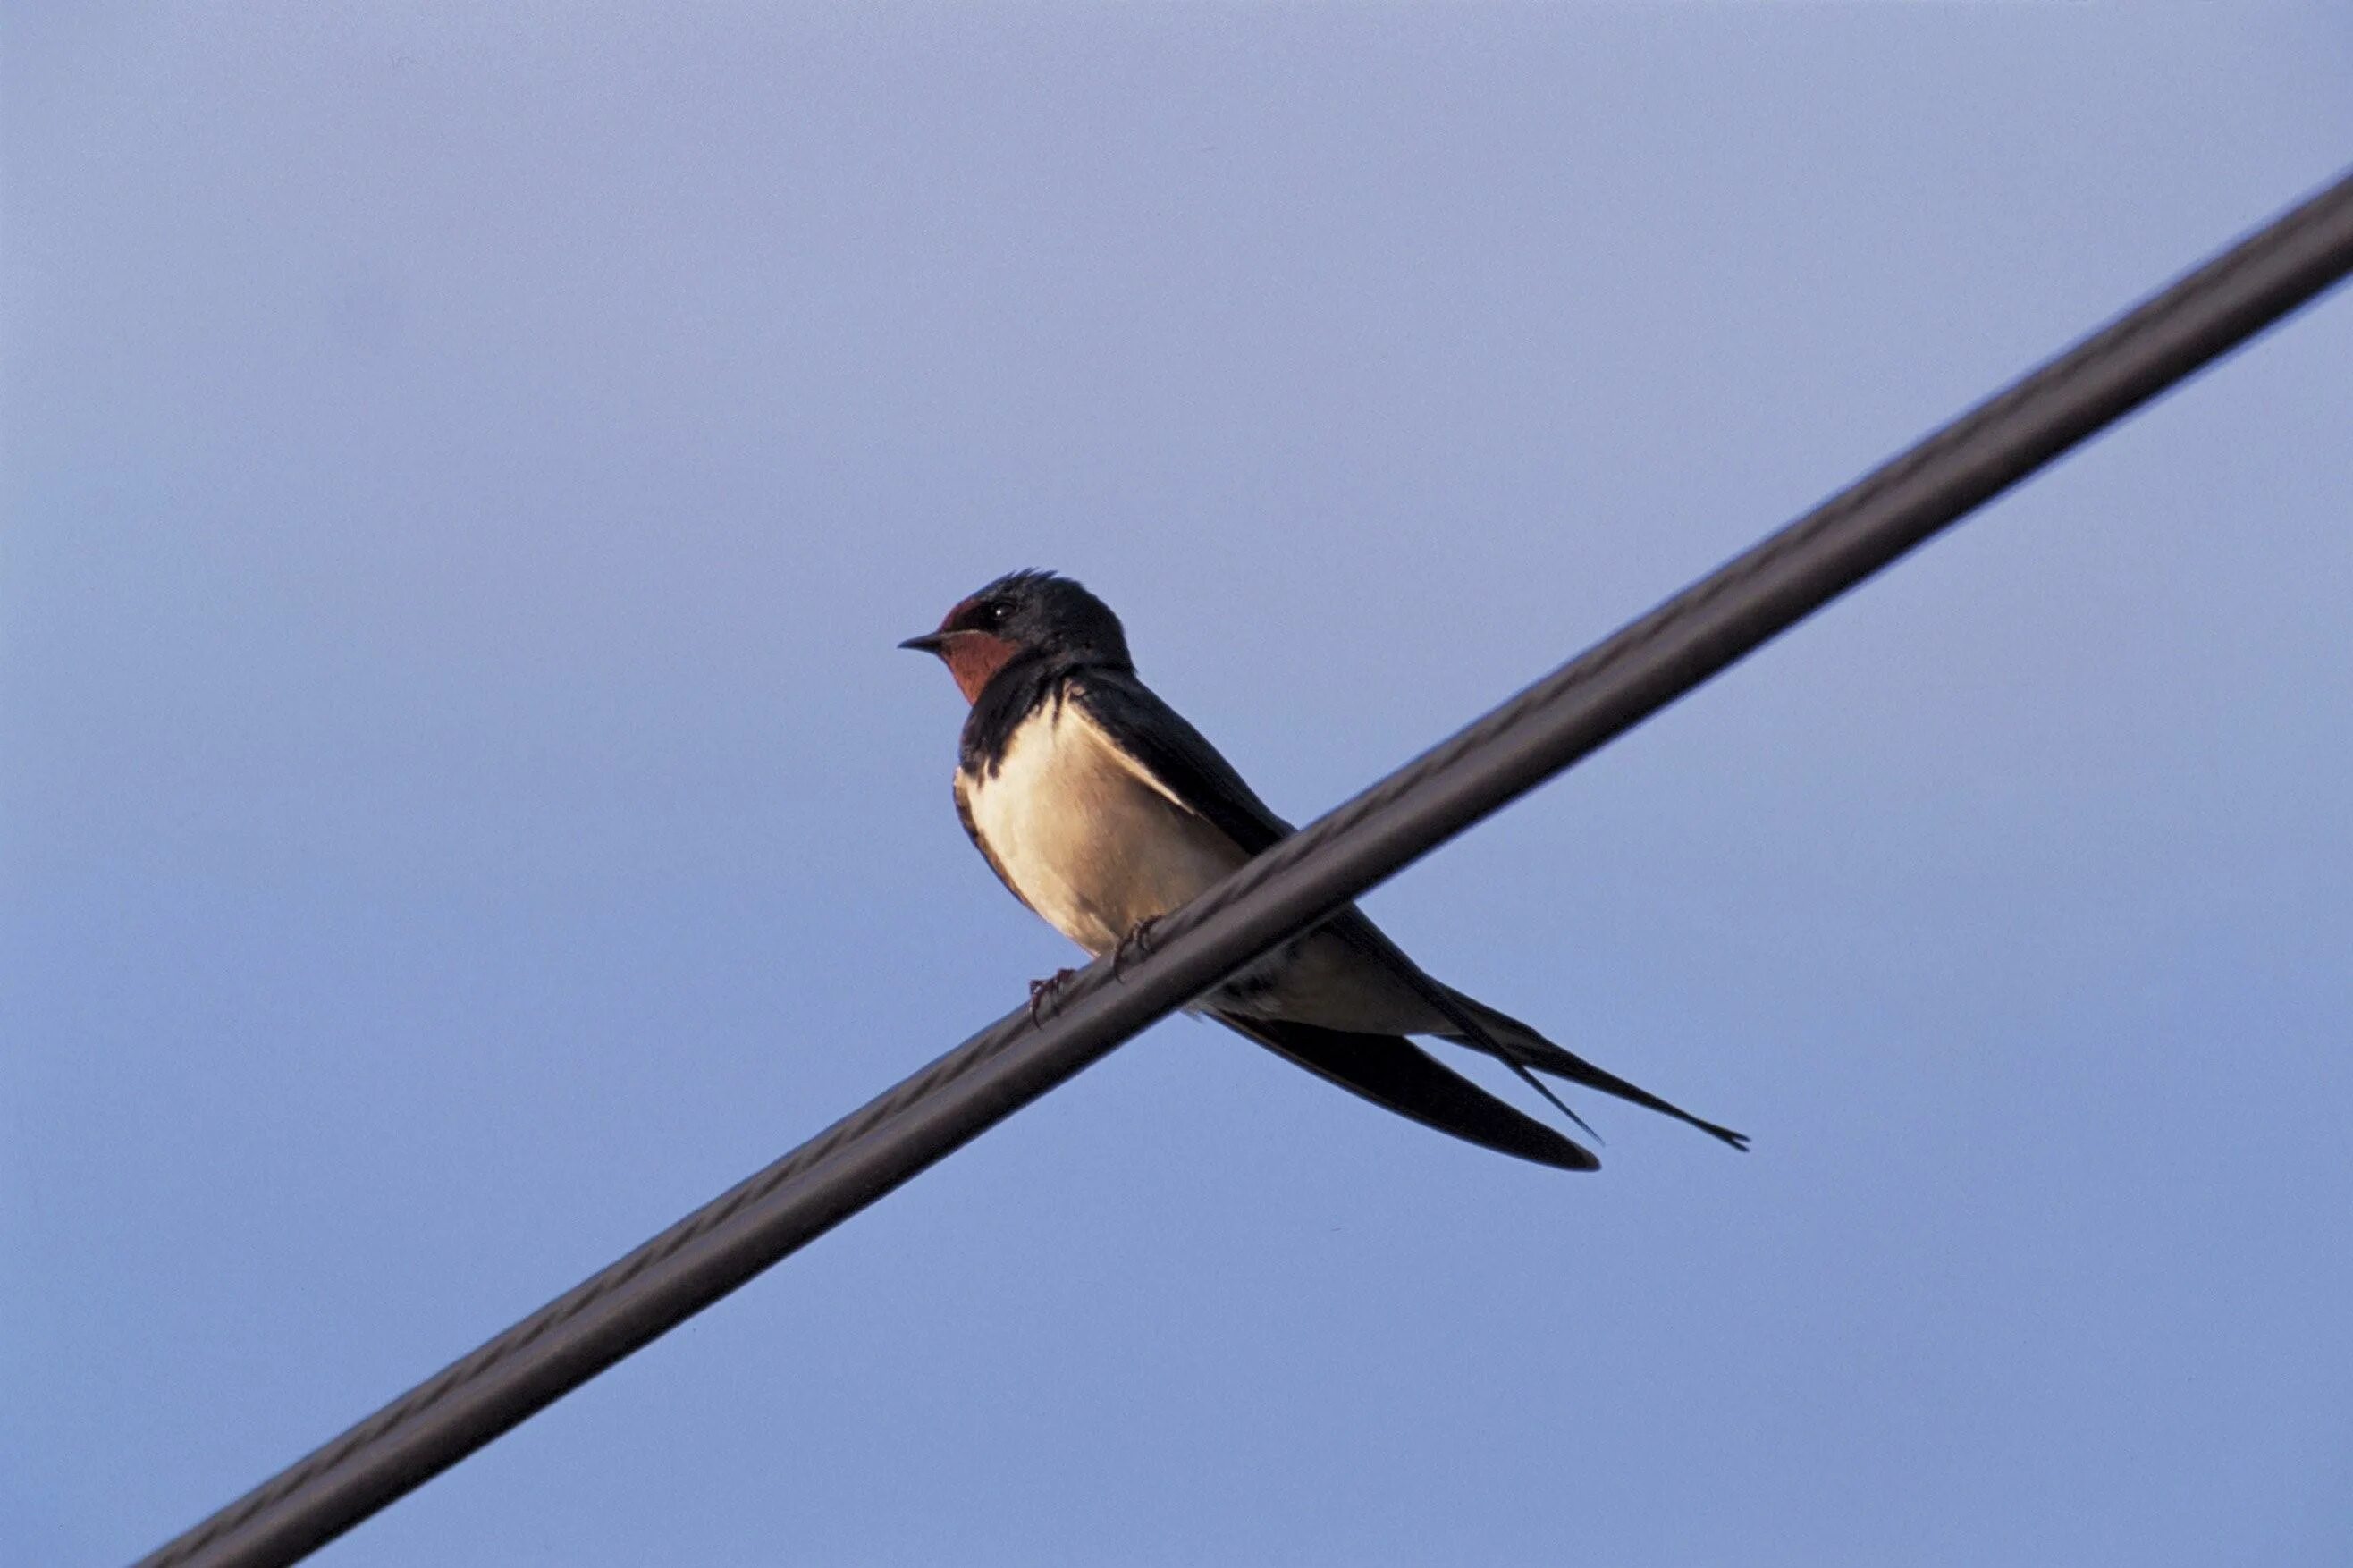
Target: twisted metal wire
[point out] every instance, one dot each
(1624, 680)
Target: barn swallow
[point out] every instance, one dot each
(1103, 810)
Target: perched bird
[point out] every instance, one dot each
(1102, 810)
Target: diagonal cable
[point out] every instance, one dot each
(1568, 714)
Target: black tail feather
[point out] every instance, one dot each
(1532, 1050)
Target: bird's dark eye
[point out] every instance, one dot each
(997, 614)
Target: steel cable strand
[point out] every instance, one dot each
(1337, 857)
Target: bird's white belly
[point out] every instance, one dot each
(1089, 839)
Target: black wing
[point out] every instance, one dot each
(1182, 759)
(1397, 1075)
(1191, 768)
(1179, 756)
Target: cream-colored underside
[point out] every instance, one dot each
(1090, 839)
(1096, 845)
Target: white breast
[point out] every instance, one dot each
(1085, 834)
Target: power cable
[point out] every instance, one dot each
(1561, 718)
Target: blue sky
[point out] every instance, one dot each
(461, 807)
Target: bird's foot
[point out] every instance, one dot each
(1136, 945)
(1047, 992)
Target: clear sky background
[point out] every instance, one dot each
(461, 805)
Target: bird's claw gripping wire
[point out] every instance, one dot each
(1136, 945)
(1048, 992)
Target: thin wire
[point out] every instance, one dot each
(1503, 755)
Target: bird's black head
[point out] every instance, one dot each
(1024, 612)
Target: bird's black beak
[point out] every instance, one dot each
(930, 642)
